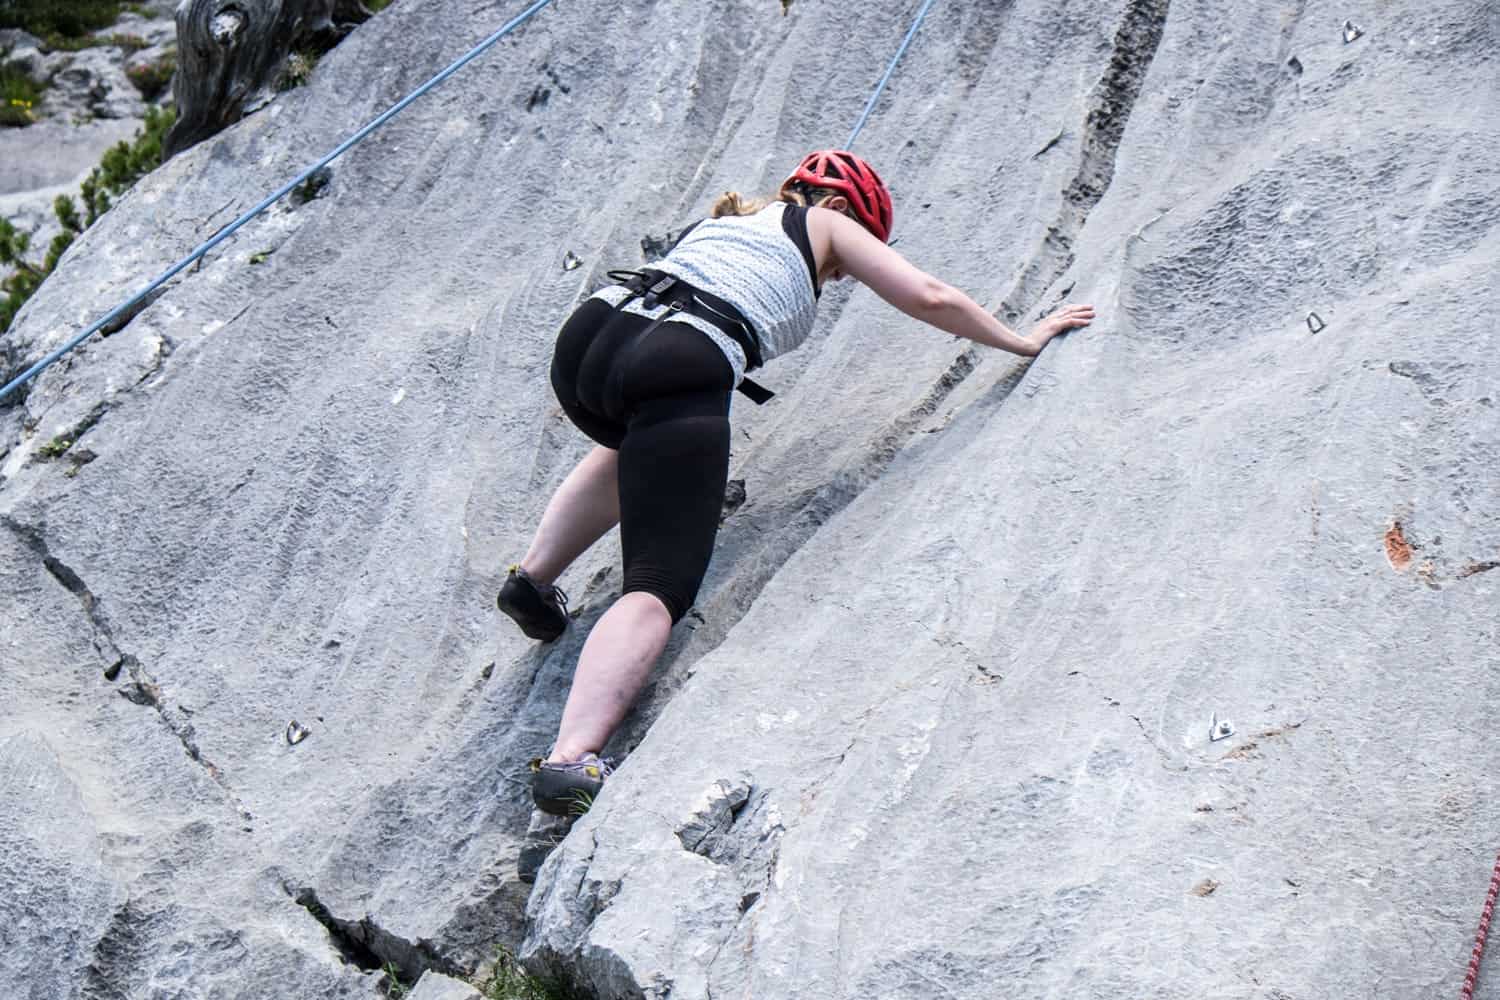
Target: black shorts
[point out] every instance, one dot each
(661, 398)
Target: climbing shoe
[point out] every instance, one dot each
(542, 612)
(568, 789)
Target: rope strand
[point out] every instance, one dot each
(1472, 979)
(870, 104)
(271, 199)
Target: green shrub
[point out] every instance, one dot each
(62, 19)
(151, 79)
(16, 287)
(122, 166)
(69, 25)
(19, 93)
(124, 163)
(65, 43)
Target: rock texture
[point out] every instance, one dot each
(940, 726)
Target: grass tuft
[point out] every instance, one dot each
(511, 982)
(395, 988)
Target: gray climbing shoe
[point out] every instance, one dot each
(569, 789)
(542, 612)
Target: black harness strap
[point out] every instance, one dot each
(654, 287)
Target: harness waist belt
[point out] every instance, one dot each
(655, 287)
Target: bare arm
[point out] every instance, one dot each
(851, 249)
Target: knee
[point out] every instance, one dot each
(672, 596)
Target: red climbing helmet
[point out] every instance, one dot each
(855, 179)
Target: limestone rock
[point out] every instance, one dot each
(940, 723)
(436, 986)
(59, 894)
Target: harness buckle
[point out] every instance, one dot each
(655, 292)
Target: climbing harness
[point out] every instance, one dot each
(229, 230)
(654, 288)
(1472, 978)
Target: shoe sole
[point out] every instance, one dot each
(531, 631)
(563, 797)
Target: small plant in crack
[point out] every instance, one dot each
(511, 982)
(55, 448)
(581, 804)
(394, 987)
(312, 187)
(298, 69)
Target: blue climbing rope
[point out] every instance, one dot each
(391, 112)
(229, 230)
(880, 87)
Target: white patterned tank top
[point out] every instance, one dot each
(761, 263)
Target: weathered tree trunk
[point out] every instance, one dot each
(231, 55)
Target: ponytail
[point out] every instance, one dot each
(734, 203)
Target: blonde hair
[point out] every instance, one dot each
(734, 203)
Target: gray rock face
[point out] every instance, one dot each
(435, 986)
(940, 726)
(59, 896)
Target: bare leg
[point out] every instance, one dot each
(614, 665)
(585, 506)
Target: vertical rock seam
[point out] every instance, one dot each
(143, 688)
(1110, 105)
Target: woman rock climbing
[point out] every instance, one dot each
(646, 369)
